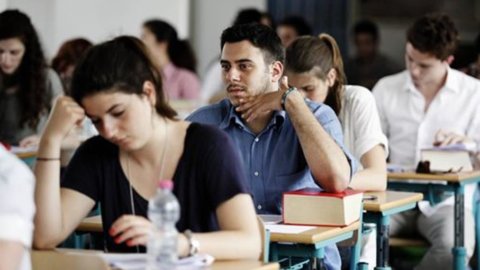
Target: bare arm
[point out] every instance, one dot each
(373, 177)
(325, 158)
(58, 211)
(11, 254)
(239, 237)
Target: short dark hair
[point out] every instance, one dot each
(298, 23)
(435, 34)
(122, 63)
(248, 15)
(366, 27)
(261, 36)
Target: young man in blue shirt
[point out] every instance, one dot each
(286, 143)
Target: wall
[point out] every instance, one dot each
(209, 19)
(58, 20)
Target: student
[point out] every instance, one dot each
(118, 88)
(174, 58)
(27, 86)
(430, 104)
(69, 54)
(285, 142)
(369, 64)
(314, 66)
(291, 28)
(17, 210)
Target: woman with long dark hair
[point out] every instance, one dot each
(27, 85)
(141, 141)
(174, 58)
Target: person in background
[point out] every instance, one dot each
(474, 68)
(141, 142)
(429, 104)
(213, 85)
(314, 66)
(67, 57)
(369, 64)
(27, 86)
(286, 143)
(291, 28)
(17, 210)
(174, 58)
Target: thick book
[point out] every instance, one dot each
(320, 208)
(452, 158)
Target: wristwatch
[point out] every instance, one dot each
(193, 243)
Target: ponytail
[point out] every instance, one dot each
(335, 92)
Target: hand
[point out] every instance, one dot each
(66, 113)
(443, 138)
(251, 107)
(28, 141)
(134, 230)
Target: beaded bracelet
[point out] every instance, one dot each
(284, 96)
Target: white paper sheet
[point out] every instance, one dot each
(136, 261)
(293, 229)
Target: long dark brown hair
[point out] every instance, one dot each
(30, 78)
(320, 55)
(122, 64)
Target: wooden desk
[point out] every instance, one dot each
(310, 243)
(379, 210)
(84, 259)
(454, 182)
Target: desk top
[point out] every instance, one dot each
(86, 259)
(448, 177)
(388, 199)
(313, 236)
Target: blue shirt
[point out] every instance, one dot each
(274, 159)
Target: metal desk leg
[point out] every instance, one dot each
(458, 251)
(383, 228)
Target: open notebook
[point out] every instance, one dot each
(138, 261)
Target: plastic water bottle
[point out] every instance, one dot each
(164, 212)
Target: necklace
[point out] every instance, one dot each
(164, 151)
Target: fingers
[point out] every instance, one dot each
(32, 140)
(443, 138)
(133, 230)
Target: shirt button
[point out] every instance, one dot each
(259, 207)
(257, 139)
(256, 173)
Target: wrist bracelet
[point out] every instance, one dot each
(47, 159)
(193, 244)
(284, 96)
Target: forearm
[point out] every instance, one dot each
(48, 222)
(10, 254)
(369, 180)
(326, 160)
(225, 245)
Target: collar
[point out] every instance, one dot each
(451, 83)
(278, 118)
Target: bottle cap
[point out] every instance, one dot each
(165, 184)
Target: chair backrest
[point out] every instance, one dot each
(59, 260)
(265, 235)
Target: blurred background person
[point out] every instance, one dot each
(175, 59)
(17, 210)
(368, 65)
(292, 27)
(67, 57)
(27, 85)
(474, 68)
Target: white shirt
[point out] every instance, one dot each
(17, 206)
(455, 108)
(360, 122)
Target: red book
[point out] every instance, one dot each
(314, 207)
